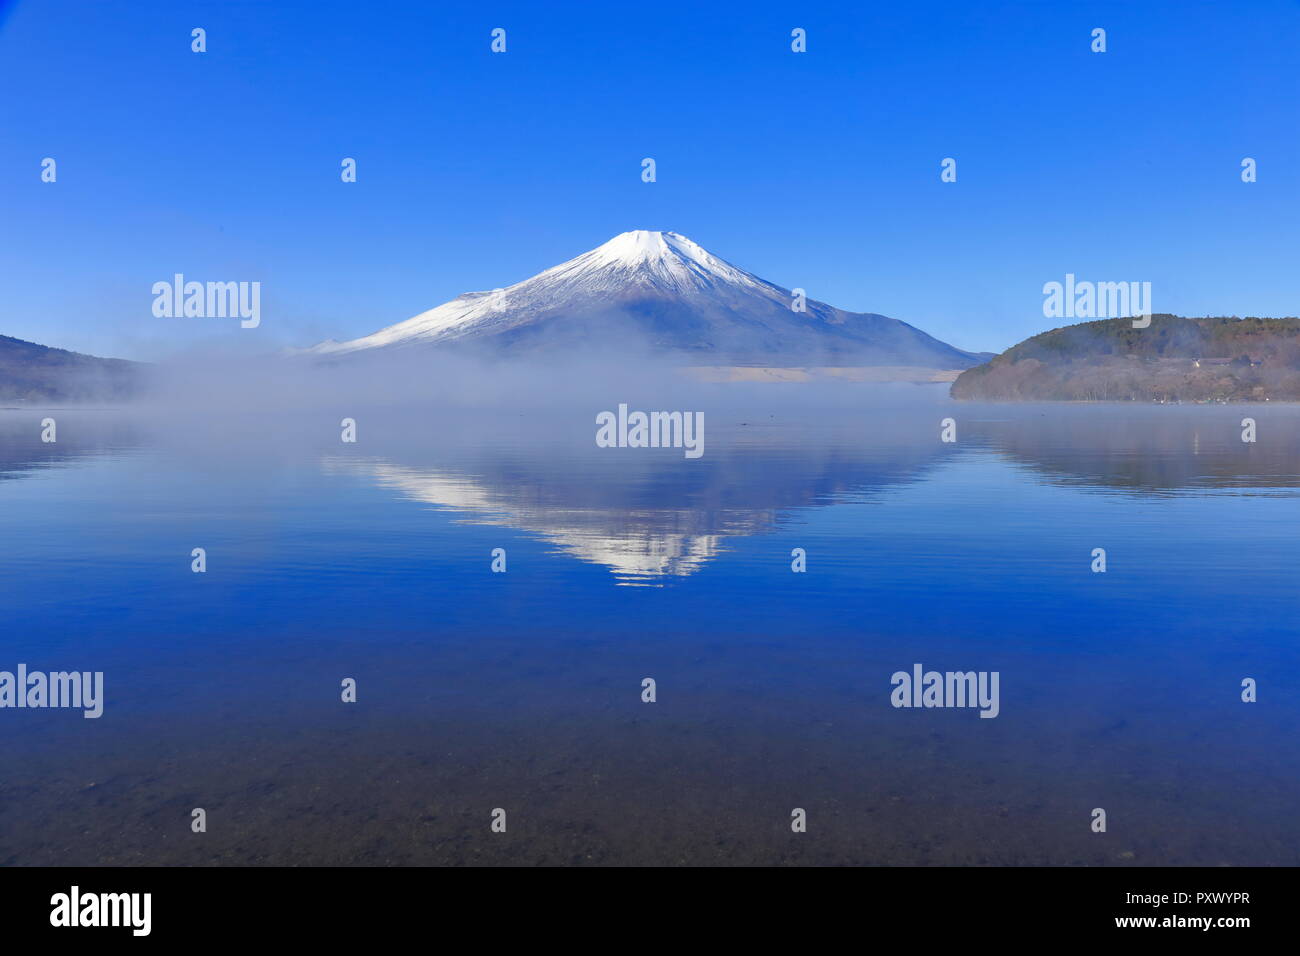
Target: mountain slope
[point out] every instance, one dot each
(663, 291)
(1173, 359)
(38, 373)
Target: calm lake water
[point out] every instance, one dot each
(522, 690)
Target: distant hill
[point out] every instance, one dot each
(38, 373)
(1174, 359)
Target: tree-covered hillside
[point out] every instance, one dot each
(1173, 359)
(38, 373)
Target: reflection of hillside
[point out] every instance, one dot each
(649, 518)
(1152, 450)
(81, 434)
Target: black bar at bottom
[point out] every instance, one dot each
(335, 906)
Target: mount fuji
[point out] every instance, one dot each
(662, 291)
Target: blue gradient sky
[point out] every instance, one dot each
(476, 170)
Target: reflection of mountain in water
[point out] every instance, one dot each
(637, 545)
(650, 515)
(1152, 450)
(655, 516)
(79, 435)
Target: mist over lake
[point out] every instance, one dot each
(522, 690)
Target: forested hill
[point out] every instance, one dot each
(38, 373)
(1173, 359)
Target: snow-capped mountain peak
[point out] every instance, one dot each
(647, 250)
(645, 260)
(665, 260)
(668, 293)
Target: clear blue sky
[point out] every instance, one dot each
(817, 170)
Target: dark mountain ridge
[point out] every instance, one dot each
(38, 373)
(1174, 359)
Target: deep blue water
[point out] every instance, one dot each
(522, 690)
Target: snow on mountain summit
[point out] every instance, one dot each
(663, 260)
(666, 292)
(667, 254)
